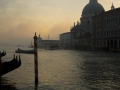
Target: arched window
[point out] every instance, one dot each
(93, 44)
(94, 34)
(119, 19)
(100, 33)
(119, 43)
(104, 33)
(97, 34)
(107, 21)
(107, 32)
(116, 19)
(119, 31)
(100, 43)
(104, 44)
(112, 32)
(88, 23)
(97, 44)
(116, 32)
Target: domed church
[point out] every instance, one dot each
(81, 32)
(92, 8)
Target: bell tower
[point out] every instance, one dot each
(112, 7)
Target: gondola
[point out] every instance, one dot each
(11, 65)
(3, 53)
(24, 51)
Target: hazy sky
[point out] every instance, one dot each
(20, 19)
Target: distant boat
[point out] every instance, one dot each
(52, 47)
(11, 65)
(31, 45)
(24, 51)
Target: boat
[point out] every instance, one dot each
(52, 47)
(11, 65)
(31, 46)
(24, 51)
(3, 53)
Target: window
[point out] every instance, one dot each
(119, 31)
(107, 32)
(97, 34)
(97, 44)
(104, 33)
(119, 19)
(119, 44)
(93, 44)
(116, 32)
(100, 34)
(107, 21)
(104, 44)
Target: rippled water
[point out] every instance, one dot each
(65, 70)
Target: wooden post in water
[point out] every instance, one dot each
(0, 68)
(36, 58)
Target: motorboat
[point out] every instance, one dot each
(24, 51)
(52, 47)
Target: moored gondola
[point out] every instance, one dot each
(3, 53)
(11, 65)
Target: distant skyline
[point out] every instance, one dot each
(20, 19)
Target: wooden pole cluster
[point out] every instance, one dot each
(36, 58)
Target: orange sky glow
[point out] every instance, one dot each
(20, 19)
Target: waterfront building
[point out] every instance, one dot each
(46, 43)
(65, 40)
(106, 30)
(81, 32)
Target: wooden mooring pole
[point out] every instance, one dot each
(0, 69)
(36, 58)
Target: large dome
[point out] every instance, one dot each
(92, 7)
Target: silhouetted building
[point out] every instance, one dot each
(47, 43)
(97, 29)
(106, 30)
(81, 32)
(65, 40)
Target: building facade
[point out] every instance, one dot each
(97, 29)
(46, 43)
(106, 30)
(65, 40)
(81, 32)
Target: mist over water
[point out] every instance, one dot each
(64, 70)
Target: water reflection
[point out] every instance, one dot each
(36, 86)
(43, 87)
(101, 73)
(66, 70)
(7, 85)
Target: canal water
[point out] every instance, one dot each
(64, 70)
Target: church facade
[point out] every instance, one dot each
(106, 30)
(82, 31)
(97, 29)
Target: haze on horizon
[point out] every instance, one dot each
(20, 19)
